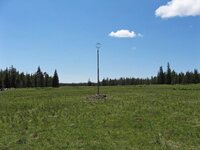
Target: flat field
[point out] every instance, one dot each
(132, 117)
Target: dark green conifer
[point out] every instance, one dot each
(55, 82)
(169, 74)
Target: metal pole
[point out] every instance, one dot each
(97, 70)
(98, 46)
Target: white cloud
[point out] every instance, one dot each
(124, 34)
(179, 8)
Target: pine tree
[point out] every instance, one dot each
(28, 81)
(50, 82)
(103, 82)
(55, 82)
(13, 77)
(89, 83)
(168, 76)
(1, 80)
(188, 78)
(7, 79)
(39, 78)
(174, 77)
(196, 76)
(35, 80)
(46, 79)
(181, 78)
(161, 76)
(18, 82)
(22, 80)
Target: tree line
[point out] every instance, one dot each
(11, 78)
(163, 77)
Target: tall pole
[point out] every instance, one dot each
(98, 46)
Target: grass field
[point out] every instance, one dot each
(132, 117)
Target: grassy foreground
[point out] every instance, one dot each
(132, 117)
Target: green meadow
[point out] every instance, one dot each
(156, 117)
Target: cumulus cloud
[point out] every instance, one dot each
(124, 34)
(179, 8)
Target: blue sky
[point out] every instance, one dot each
(62, 35)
